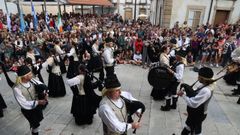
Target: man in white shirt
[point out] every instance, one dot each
(26, 96)
(197, 103)
(108, 59)
(236, 58)
(177, 71)
(113, 109)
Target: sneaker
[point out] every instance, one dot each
(211, 65)
(217, 65)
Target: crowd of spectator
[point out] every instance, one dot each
(136, 42)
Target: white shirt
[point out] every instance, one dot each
(179, 72)
(32, 56)
(108, 56)
(58, 49)
(236, 55)
(73, 53)
(28, 105)
(109, 117)
(137, 57)
(203, 95)
(95, 48)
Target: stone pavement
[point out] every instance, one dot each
(223, 117)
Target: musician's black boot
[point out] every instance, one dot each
(34, 133)
(238, 102)
(236, 91)
(1, 113)
(174, 103)
(167, 107)
(185, 132)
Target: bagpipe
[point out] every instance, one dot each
(41, 90)
(132, 107)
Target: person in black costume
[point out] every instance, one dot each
(10, 83)
(55, 81)
(197, 104)
(177, 71)
(236, 58)
(85, 101)
(73, 61)
(2, 103)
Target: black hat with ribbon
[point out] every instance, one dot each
(23, 70)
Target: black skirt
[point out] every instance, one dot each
(72, 69)
(56, 86)
(62, 66)
(2, 103)
(81, 109)
(34, 116)
(84, 106)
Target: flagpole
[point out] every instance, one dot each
(59, 8)
(6, 6)
(8, 17)
(45, 5)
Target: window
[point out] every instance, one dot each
(142, 11)
(113, 1)
(143, 1)
(128, 1)
(195, 16)
(128, 13)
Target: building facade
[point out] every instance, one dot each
(132, 9)
(196, 12)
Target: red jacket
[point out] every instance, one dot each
(138, 46)
(1, 26)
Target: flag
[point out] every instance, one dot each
(22, 22)
(47, 18)
(9, 26)
(59, 25)
(35, 20)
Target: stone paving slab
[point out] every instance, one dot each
(223, 117)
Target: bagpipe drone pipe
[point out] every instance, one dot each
(189, 88)
(41, 90)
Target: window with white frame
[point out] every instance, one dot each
(194, 16)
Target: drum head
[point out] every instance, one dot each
(159, 77)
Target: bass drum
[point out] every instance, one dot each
(159, 77)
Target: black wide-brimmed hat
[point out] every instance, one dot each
(111, 83)
(23, 70)
(183, 55)
(206, 73)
